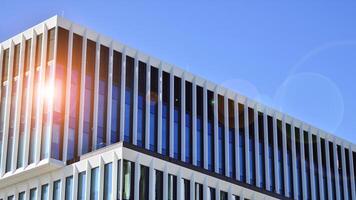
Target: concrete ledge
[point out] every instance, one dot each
(33, 170)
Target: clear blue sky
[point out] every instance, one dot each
(298, 57)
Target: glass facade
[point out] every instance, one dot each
(234, 144)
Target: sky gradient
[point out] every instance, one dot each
(297, 57)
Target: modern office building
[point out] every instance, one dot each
(85, 117)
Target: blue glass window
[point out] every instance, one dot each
(159, 185)
(154, 109)
(223, 195)
(211, 159)
(270, 154)
(144, 183)
(69, 188)
(72, 151)
(348, 174)
(21, 196)
(221, 134)
(299, 194)
(57, 190)
(251, 145)
(242, 143)
(323, 165)
(94, 184)
(261, 153)
(88, 97)
(128, 180)
(116, 98)
(188, 122)
(141, 111)
(33, 194)
(315, 162)
(340, 165)
(332, 170)
(108, 182)
(280, 158)
(44, 192)
(307, 165)
(10, 197)
(177, 117)
(81, 186)
(212, 193)
(200, 129)
(186, 189)
(10, 138)
(103, 95)
(289, 182)
(232, 153)
(129, 99)
(165, 113)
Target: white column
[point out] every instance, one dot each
(137, 179)
(87, 181)
(120, 177)
(115, 177)
(230, 196)
(67, 91)
(152, 182)
(284, 146)
(352, 175)
(336, 172)
(237, 138)
(96, 94)
(328, 170)
(183, 118)
(266, 154)
(109, 99)
(294, 160)
(82, 95)
(7, 109)
(217, 191)
(75, 183)
(159, 121)
(192, 187)
(275, 153)
(205, 123)
(29, 99)
(304, 184)
(148, 99)
(311, 164)
(205, 190)
(227, 139)
(216, 131)
(320, 168)
(194, 122)
(257, 147)
(180, 185)
(135, 97)
(165, 183)
(122, 97)
(101, 178)
(344, 176)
